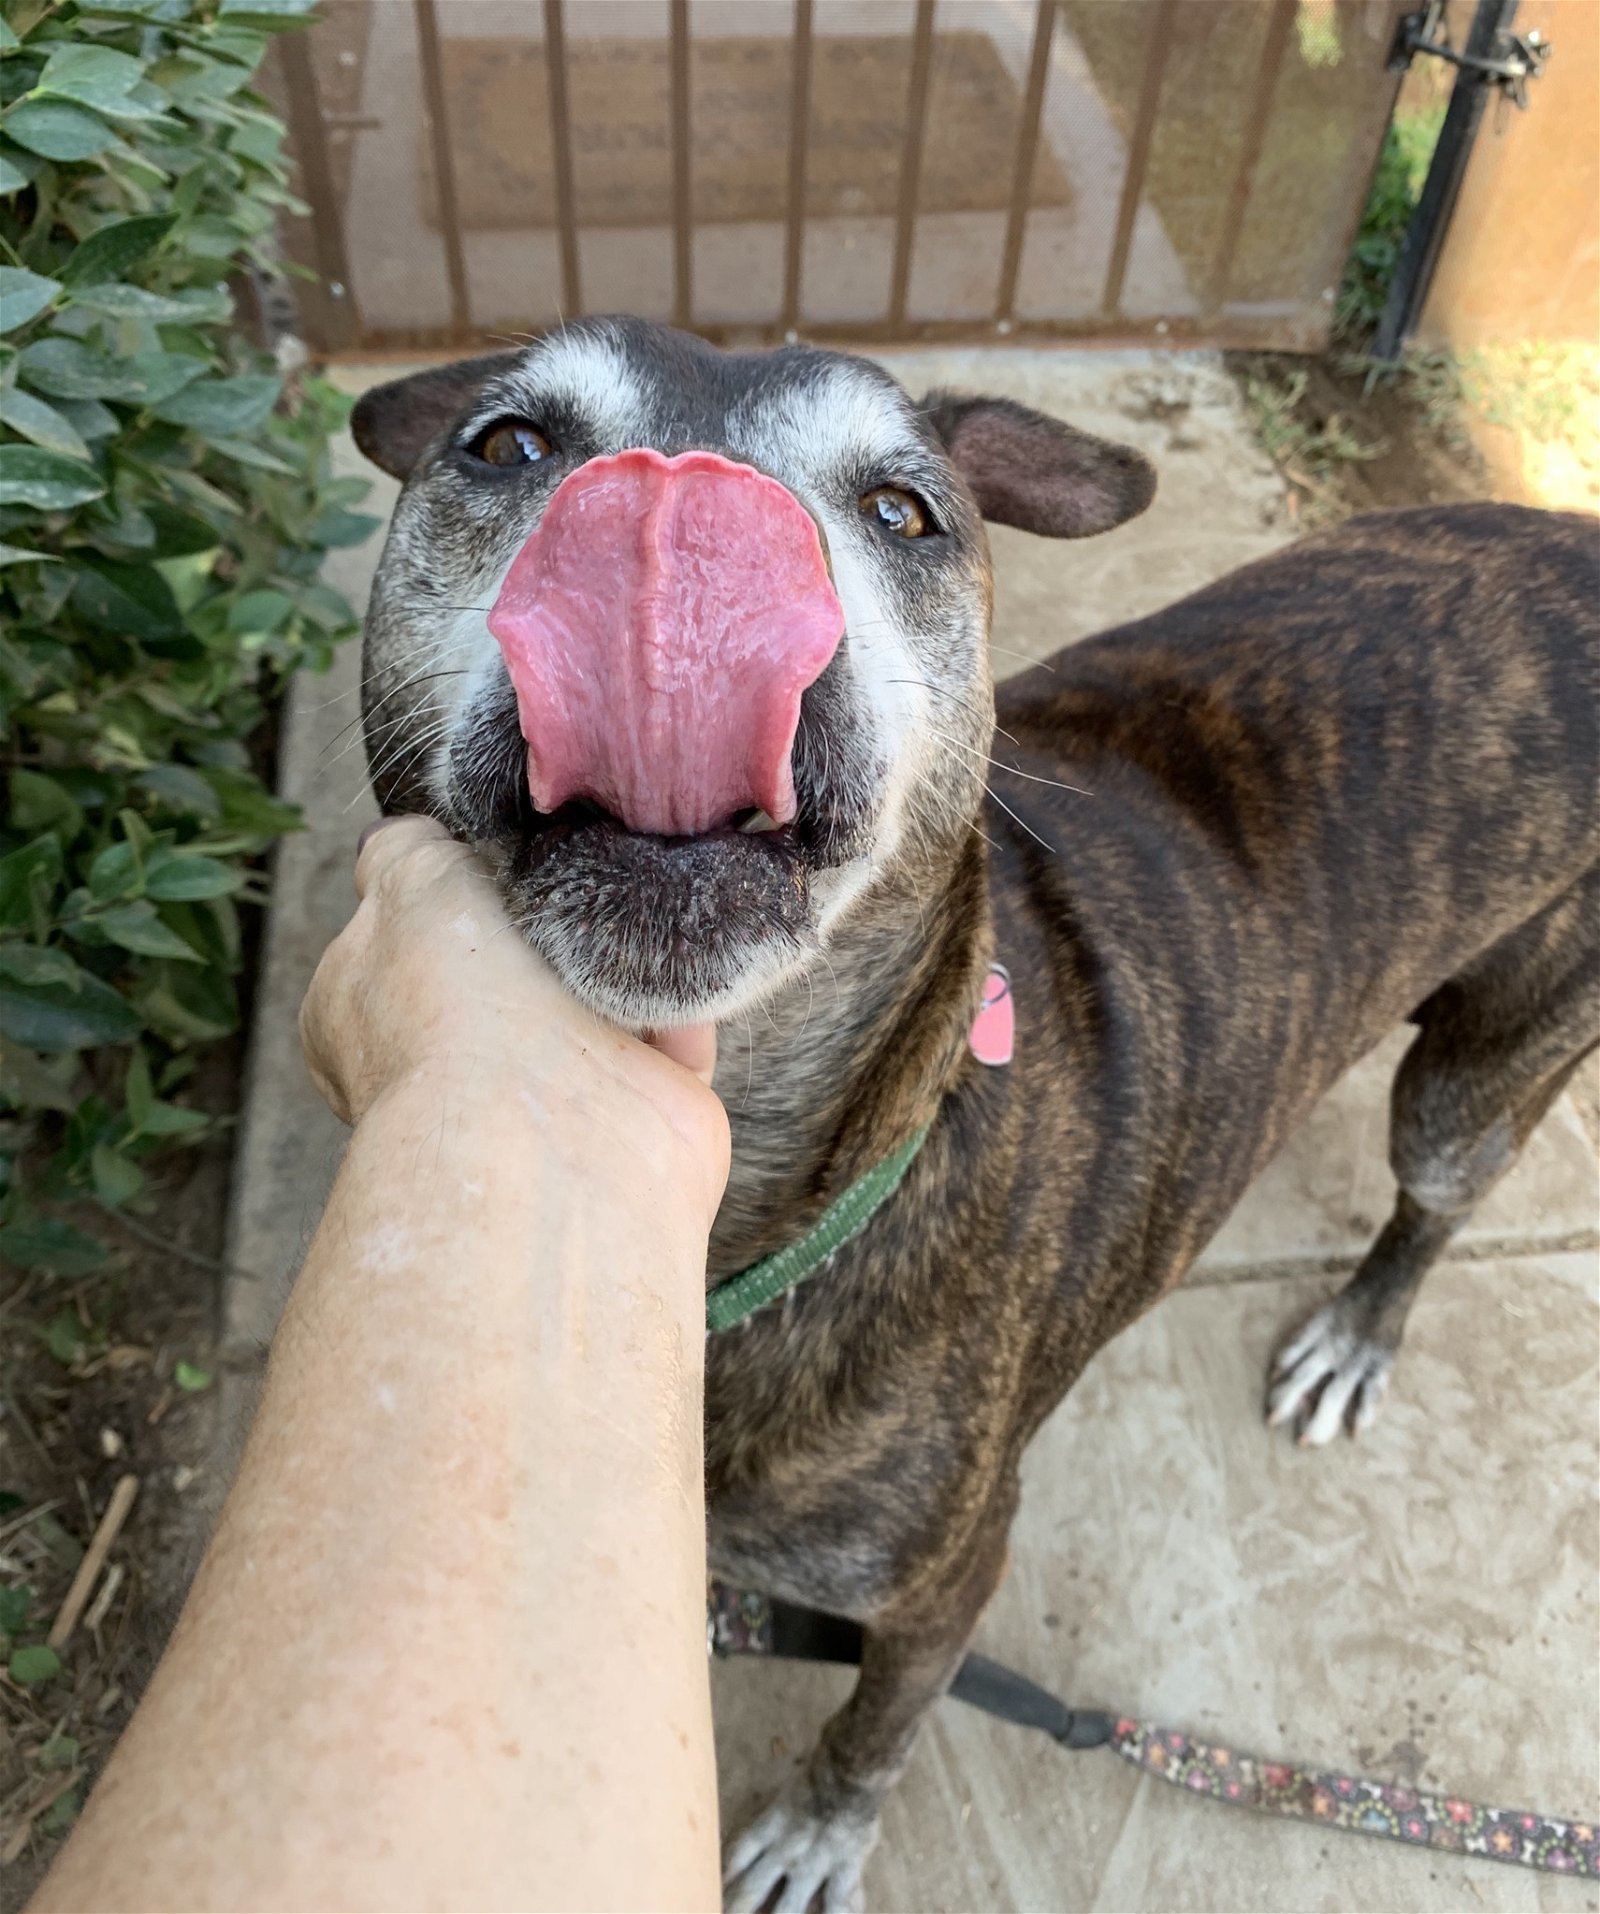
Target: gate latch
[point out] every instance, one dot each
(1516, 57)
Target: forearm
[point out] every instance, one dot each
(445, 1650)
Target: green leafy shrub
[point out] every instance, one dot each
(1408, 145)
(165, 505)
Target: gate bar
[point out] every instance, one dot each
(682, 231)
(555, 55)
(444, 166)
(1144, 127)
(799, 133)
(341, 322)
(911, 159)
(1255, 138)
(1424, 238)
(1044, 21)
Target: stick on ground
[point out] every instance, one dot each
(110, 1526)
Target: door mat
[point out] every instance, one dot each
(618, 92)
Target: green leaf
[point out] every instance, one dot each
(115, 872)
(21, 870)
(8, 38)
(190, 1003)
(255, 456)
(42, 423)
(89, 418)
(247, 804)
(271, 14)
(16, 168)
(137, 927)
(64, 1548)
(260, 611)
(48, 481)
(62, 1812)
(132, 600)
(38, 801)
(336, 528)
(57, 130)
(67, 369)
(60, 1751)
(222, 405)
(38, 964)
(14, 1602)
(91, 75)
(51, 1017)
(236, 43)
(169, 1119)
(181, 788)
(115, 1179)
(108, 253)
(138, 1094)
(117, 301)
(23, 296)
(31, 1666)
(188, 1376)
(63, 1336)
(176, 877)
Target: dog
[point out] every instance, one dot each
(1228, 848)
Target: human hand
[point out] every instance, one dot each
(429, 983)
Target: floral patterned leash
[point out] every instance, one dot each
(739, 1622)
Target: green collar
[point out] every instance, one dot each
(739, 1297)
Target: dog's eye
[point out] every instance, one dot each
(512, 442)
(896, 511)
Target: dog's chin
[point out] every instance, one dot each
(653, 932)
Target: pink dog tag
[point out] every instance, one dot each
(994, 1029)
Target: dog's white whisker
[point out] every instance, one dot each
(1054, 783)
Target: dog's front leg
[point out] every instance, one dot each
(811, 1845)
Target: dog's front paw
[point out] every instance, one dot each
(1327, 1378)
(801, 1854)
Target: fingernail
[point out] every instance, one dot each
(377, 824)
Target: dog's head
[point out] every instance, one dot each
(696, 642)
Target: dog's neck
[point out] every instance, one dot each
(840, 1068)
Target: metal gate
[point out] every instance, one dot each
(872, 171)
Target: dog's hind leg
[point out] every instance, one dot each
(1495, 1048)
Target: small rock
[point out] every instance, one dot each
(111, 1444)
(182, 1476)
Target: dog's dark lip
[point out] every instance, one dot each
(582, 823)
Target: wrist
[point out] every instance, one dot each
(620, 1133)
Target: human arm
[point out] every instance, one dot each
(447, 1647)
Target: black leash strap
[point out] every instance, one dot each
(739, 1623)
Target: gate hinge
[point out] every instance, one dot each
(1516, 57)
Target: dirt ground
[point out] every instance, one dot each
(1345, 447)
(92, 1394)
(1520, 424)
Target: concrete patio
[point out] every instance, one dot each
(1420, 1606)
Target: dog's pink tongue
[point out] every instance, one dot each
(659, 628)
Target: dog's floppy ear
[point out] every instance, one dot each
(394, 424)
(1036, 473)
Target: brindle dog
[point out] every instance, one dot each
(1231, 846)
